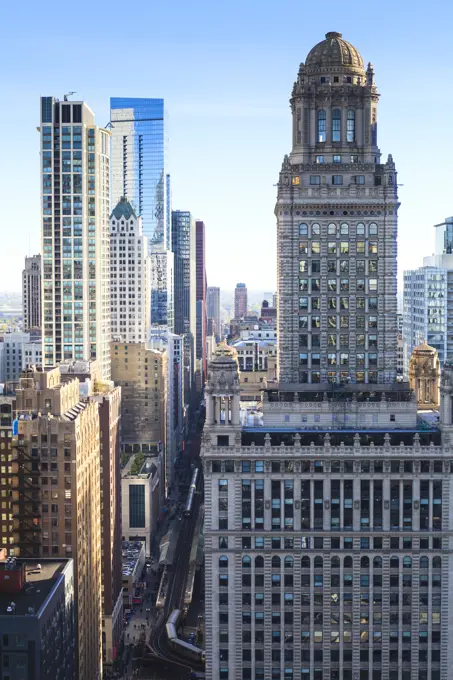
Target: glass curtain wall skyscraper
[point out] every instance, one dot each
(139, 172)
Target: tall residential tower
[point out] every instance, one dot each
(201, 285)
(213, 310)
(240, 301)
(336, 212)
(31, 293)
(75, 198)
(185, 292)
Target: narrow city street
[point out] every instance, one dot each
(151, 656)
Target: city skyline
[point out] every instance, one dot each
(198, 108)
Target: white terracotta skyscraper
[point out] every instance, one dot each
(130, 275)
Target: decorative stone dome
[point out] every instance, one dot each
(334, 54)
(424, 347)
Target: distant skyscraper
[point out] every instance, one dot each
(173, 346)
(17, 351)
(240, 301)
(336, 210)
(444, 237)
(129, 275)
(139, 172)
(428, 307)
(184, 249)
(31, 293)
(201, 295)
(213, 308)
(75, 197)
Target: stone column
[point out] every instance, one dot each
(313, 132)
(217, 410)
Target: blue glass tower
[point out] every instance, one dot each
(139, 172)
(138, 162)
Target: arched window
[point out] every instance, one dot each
(335, 563)
(407, 562)
(322, 126)
(223, 561)
(288, 562)
(364, 563)
(259, 562)
(360, 229)
(372, 229)
(348, 562)
(377, 563)
(318, 562)
(336, 125)
(394, 563)
(437, 562)
(350, 126)
(303, 229)
(275, 562)
(315, 229)
(305, 563)
(246, 562)
(424, 563)
(344, 229)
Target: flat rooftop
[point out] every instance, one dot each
(316, 392)
(280, 436)
(37, 587)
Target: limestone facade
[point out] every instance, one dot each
(329, 549)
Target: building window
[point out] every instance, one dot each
(350, 126)
(322, 126)
(337, 159)
(359, 179)
(337, 179)
(319, 159)
(336, 125)
(315, 179)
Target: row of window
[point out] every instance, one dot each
(336, 562)
(338, 230)
(336, 125)
(339, 267)
(338, 249)
(317, 673)
(319, 543)
(370, 359)
(314, 285)
(337, 180)
(337, 158)
(333, 466)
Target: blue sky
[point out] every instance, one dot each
(226, 71)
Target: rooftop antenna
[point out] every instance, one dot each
(65, 97)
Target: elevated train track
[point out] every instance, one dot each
(159, 645)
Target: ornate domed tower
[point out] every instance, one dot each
(424, 376)
(336, 228)
(222, 398)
